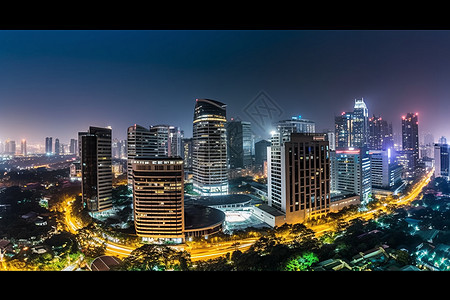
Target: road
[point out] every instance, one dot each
(222, 248)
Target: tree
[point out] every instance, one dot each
(151, 257)
(302, 262)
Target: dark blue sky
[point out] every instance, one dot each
(56, 83)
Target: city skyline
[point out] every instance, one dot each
(56, 83)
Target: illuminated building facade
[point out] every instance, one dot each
(352, 128)
(96, 169)
(385, 171)
(23, 147)
(380, 134)
(141, 142)
(351, 172)
(209, 157)
(158, 198)
(410, 140)
(299, 176)
(48, 145)
(57, 147)
(441, 160)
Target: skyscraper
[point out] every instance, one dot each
(410, 139)
(73, 148)
(158, 198)
(96, 169)
(380, 134)
(161, 133)
(239, 144)
(141, 143)
(261, 152)
(441, 159)
(57, 147)
(175, 142)
(360, 130)
(351, 128)
(48, 146)
(299, 176)
(209, 148)
(23, 147)
(351, 172)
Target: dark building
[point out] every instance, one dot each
(380, 134)
(209, 157)
(261, 152)
(239, 144)
(96, 169)
(307, 172)
(410, 139)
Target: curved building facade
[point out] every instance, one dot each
(158, 198)
(209, 157)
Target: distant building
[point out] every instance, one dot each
(141, 143)
(48, 145)
(352, 128)
(261, 153)
(441, 160)
(239, 144)
(410, 140)
(385, 172)
(187, 154)
(23, 147)
(57, 147)
(73, 147)
(96, 169)
(380, 134)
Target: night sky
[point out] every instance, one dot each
(56, 83)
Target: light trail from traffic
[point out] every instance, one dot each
(222, 248)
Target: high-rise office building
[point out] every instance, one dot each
(10, 147)
(175, 142)
(141, 143)
(23, 147)
(410, 139)
(96, 169)
(261, 152)
(352, 128)
(73, 148)
(57, 147)
(380, 134)
(239, 144)
(187, 154)
(351, 173)
(299, 176)
(161, 133)
(441, 160)
(385, 171)
(209, 157)
(48, 145)
(158, 198)
(360, 124)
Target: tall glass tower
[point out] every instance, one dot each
(209, 157)
(96, 169)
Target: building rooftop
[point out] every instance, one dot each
(218, 200)
(200, 216)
